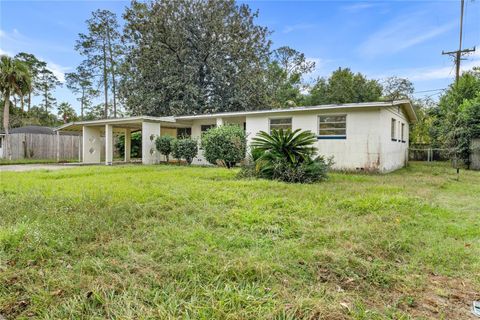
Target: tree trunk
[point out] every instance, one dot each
(46, 101)
(29, 100)
(6, 120)
(81, 103)
(112, 70)
(105, 80)
(22, 103)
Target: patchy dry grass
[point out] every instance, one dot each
(174, 242)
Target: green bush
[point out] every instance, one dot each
(185, 149)
(135, 146)
(286, 156)
(225, 144)
(164, 145)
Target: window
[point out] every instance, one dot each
(281, 123)
(184, 132)
(402, 132)
(332, 127)
(394, 126)
(205, 127)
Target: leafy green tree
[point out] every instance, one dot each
(225, 144)
(164, 145)
(102, 50)
(96, 112)
(344, 86)
(14, 75)
(457, 117)
(192, 57)
(285, 74)
(185, 148)
(135, 145)
(395, 88)
(81, 83)
(35, 66)
(47, 82)
(66, 112)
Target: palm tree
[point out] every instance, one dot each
(66, 111)
(14, 78)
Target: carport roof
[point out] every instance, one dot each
(76, 126)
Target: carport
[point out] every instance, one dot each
(93, 131)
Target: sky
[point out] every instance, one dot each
(377, 38)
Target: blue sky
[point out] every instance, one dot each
(377, 38)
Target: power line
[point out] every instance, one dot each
(457, 54)
(429, 90)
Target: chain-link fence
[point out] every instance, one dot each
(427, 154)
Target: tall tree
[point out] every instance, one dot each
(457, 119)
(66, 112)
(47, 82)
(35, 66)
(101, 48)
(192, 56)
(13, 75)
(395, 88)
(344, 86)
(285, 73)
(81, 83)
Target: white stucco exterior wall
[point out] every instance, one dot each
(150, 131)
(367, 146)
(92, 144)
(394, 153)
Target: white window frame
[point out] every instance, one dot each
(276, 118)
(334, 136)
(393, 129)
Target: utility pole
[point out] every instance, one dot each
(457, 54)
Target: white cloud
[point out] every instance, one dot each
(435, 73)
(3, 52)
(402, 33)
(58, 70)
(16, 42)
(298, 27)
(358, 6)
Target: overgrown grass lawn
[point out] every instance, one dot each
(161, 242)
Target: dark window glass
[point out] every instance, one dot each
(184, 132)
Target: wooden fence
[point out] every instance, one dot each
(45, 146)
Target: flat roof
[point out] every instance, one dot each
(172, 119)
(406, 103)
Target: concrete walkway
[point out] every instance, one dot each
(30, 167)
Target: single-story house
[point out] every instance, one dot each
(370, 136)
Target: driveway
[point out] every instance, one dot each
(30, 167)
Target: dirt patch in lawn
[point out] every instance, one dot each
(443, 298)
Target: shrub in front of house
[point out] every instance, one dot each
(164, 145)
(225, 144)
(287, 156)
(135, 145)
(185, 148)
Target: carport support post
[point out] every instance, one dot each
(128, 144)
(108, 144)
(150, 131)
